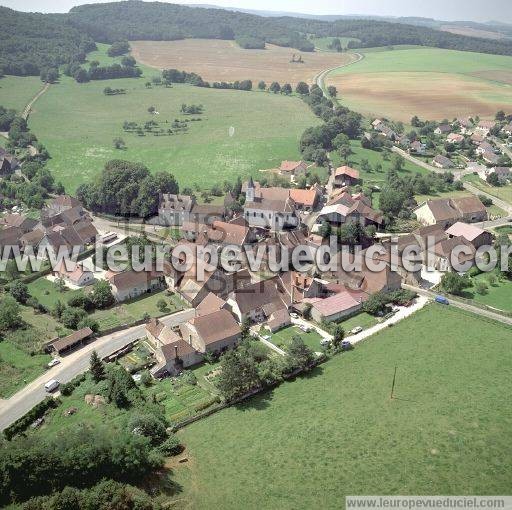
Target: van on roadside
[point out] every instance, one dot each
(51, 385)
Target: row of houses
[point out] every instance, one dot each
(63, 224)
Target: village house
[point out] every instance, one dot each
(202, 278)
(454, 138)
(442, 253)
(503, 172)
(403, 141)
(130, 284)
(388, 132)
(173, 354)
(271, 208)
(74, 273)
(60, 204)
(343, 303)
(213, 333)
(306, 199)
(345, 208)
(297, 286)
(477, 138)
(365, 280)
(24, 223)
(484, 147)
(491, 157)
(258, 301)
(442, 129)
(173, 210)
(485, 126)
(8, 163)
(507, 129)
(293, 169)
(377, 123)
(345, 176)
(447, 211)
(471, 233)
(211, 303)
(441, 161)
(465, 124)
(417, 147)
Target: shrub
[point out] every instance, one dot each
(25, 421)
(171, 446)
(149, 426)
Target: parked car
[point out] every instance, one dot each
(266, 337)
(53, 362)
(356, 330)
(305, 328)
(325, 342)
(51, 385)
(442, 300)
(294, 315)
(346, 345)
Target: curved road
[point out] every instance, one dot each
(320, 77)
(74, 364)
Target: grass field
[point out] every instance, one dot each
(336, 432)
(17, 91)
(17, 368)
(283, 338)
(47, 293)
(498, 295)
(374, 158)
(20, 358)
(239, 133)
(428, 82)
(503, 192)
(131, 311)
(216, 60)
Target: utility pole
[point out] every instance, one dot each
(391, 396)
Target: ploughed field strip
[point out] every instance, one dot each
(216, 60)
(428, 82)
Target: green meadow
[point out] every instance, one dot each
(420, 59)
(336, 432)
(17, 91)
(238, 133)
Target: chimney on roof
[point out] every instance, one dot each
(176, 351)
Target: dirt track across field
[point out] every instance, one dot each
(216, 60)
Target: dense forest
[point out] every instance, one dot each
(30, 43)
(33, 43)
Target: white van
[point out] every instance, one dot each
(51, 386)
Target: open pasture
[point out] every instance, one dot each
(217, 60)
(17, 91)
(238, 132)
(428, 82)
(336, 432)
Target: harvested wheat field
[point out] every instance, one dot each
(431, 83)
(216, 60)
(400, 96)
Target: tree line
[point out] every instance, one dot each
(32, 42)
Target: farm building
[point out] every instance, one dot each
(447, 211)
(62, 346)
(473, 234)
(293, 169)
(442, 162)
(345, 176)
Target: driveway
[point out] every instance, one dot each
(74, 364)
